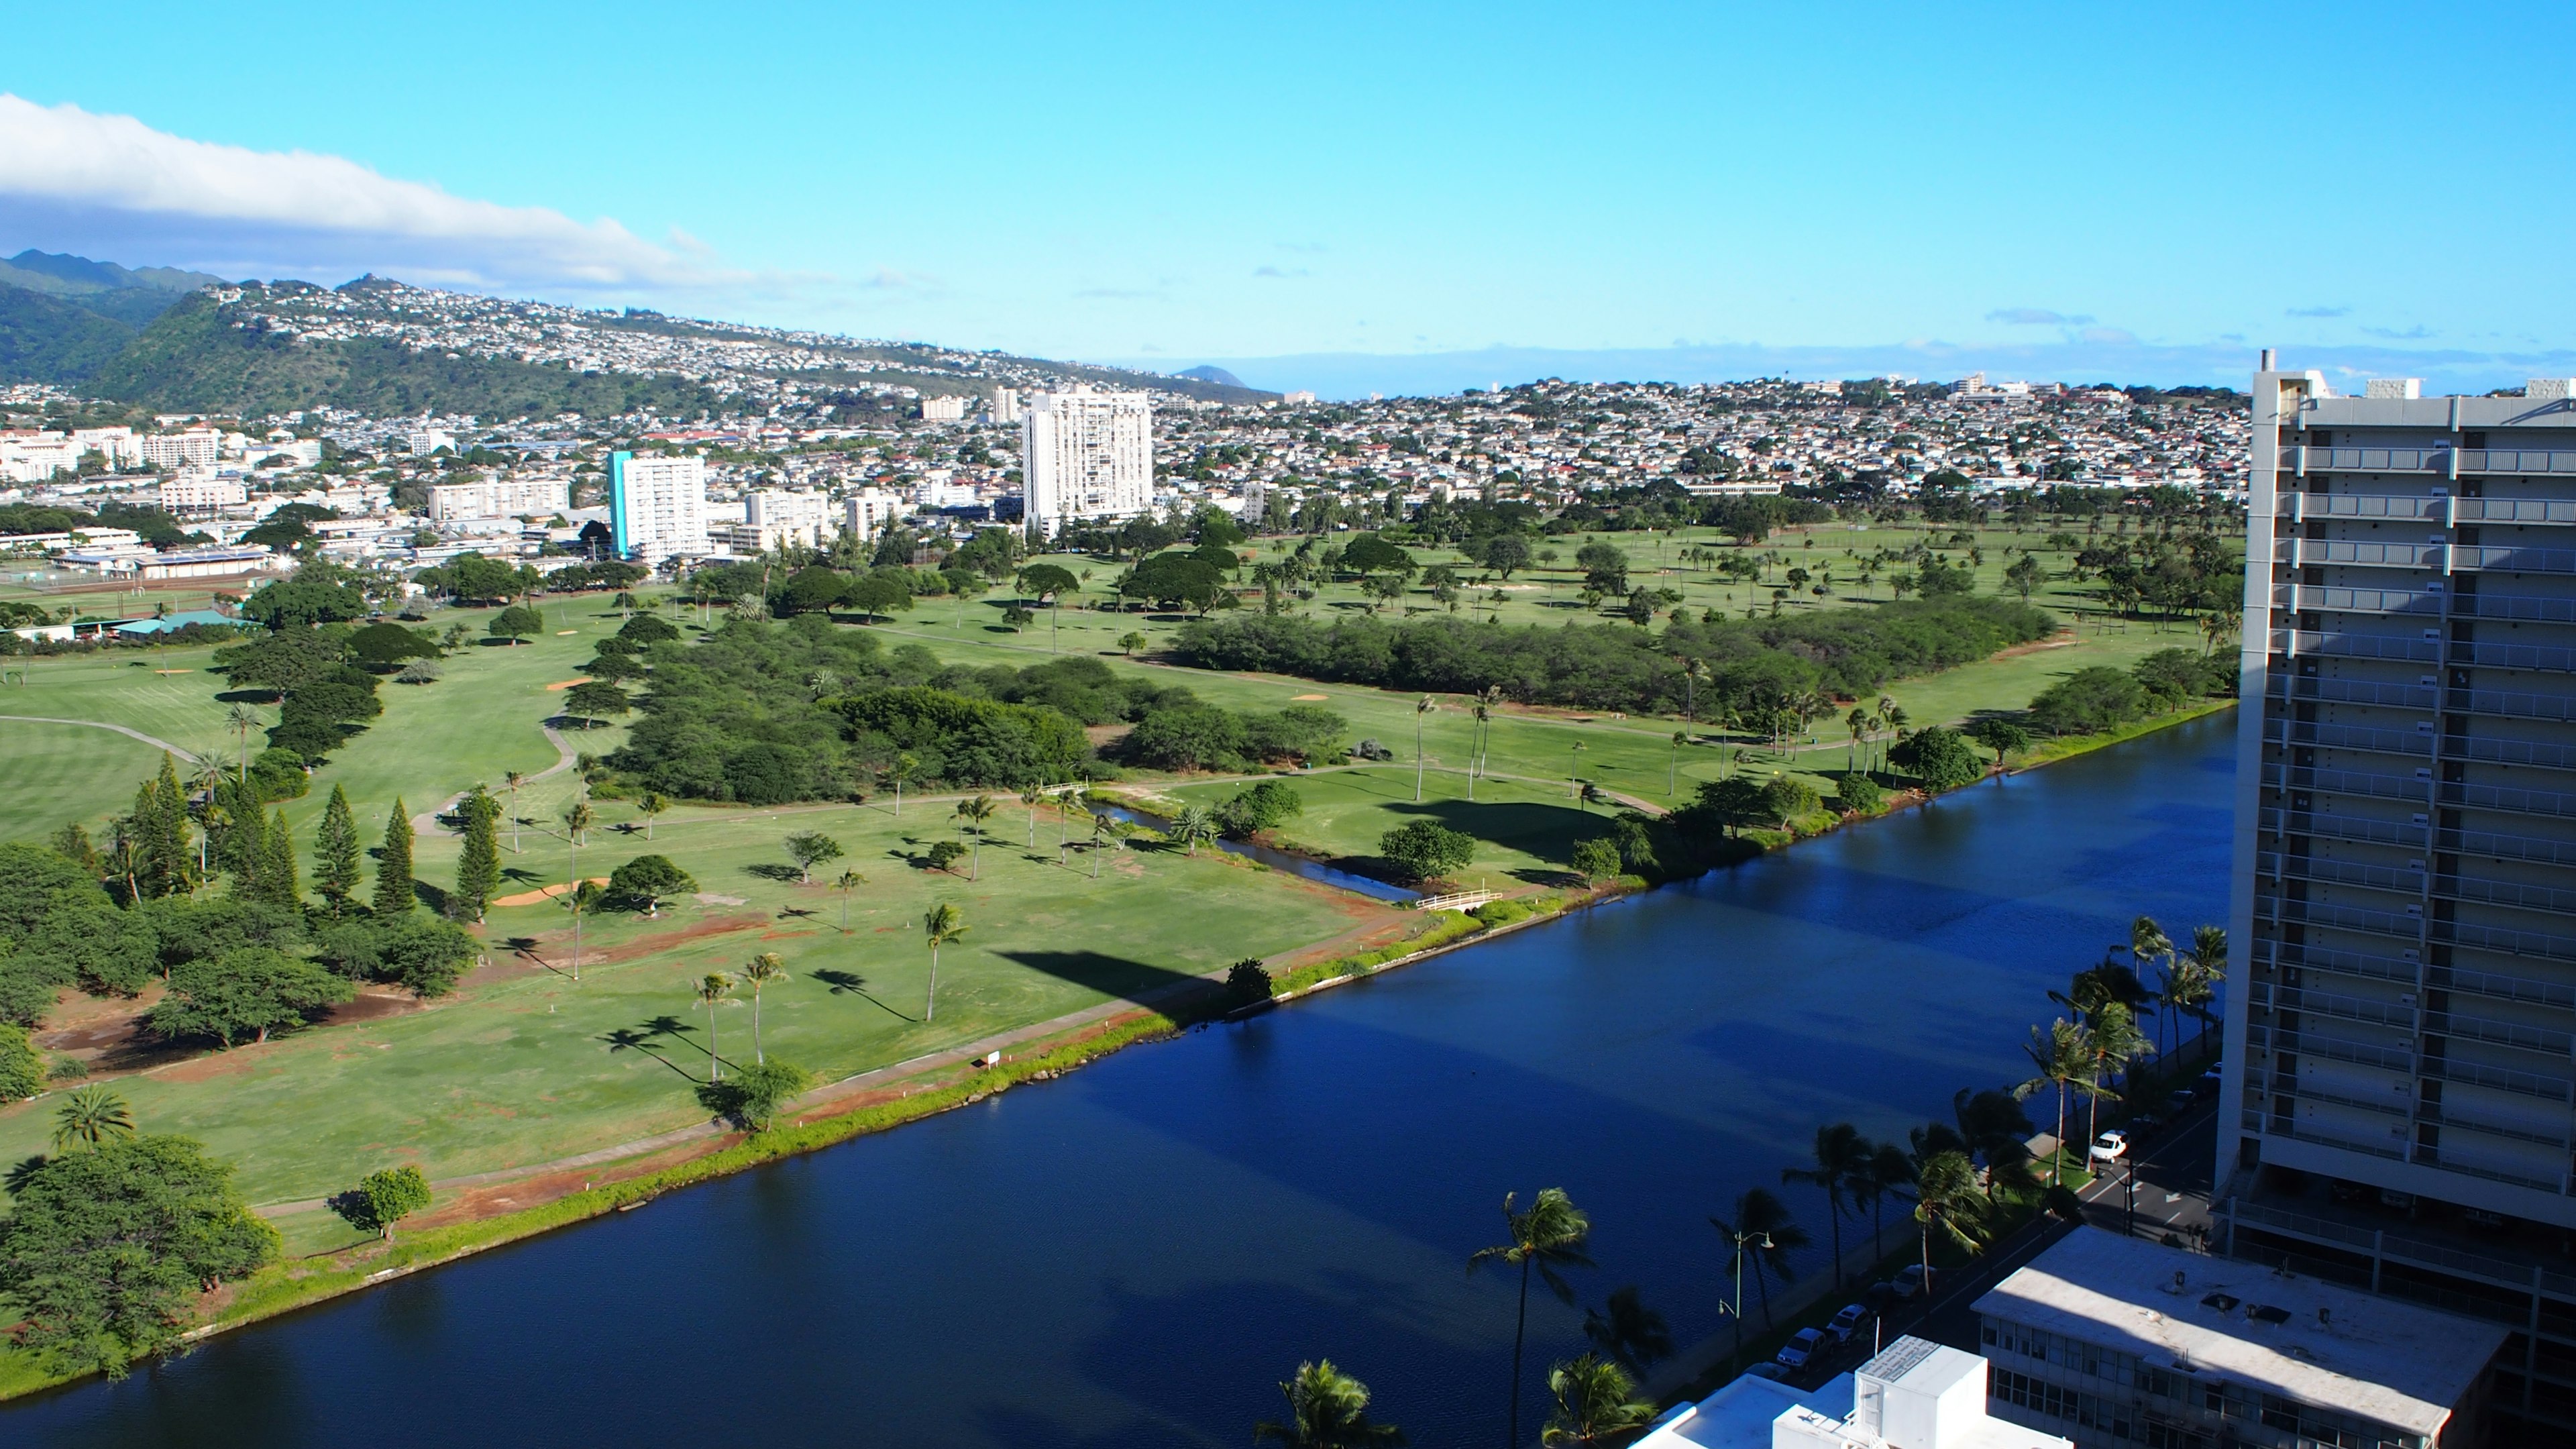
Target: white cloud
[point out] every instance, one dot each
(299, 207)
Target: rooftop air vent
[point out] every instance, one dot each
(2224, 1303)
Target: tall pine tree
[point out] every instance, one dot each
(277, 863)
(162, 863)
(478, 866)
(244, 836)
(335, 853)
(393, 866)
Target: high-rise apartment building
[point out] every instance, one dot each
(657, 506)
(498, 498)
(867, 511)
(1086, 454)
(2403, 922)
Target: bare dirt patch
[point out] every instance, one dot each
(547, 893)
(568, 683)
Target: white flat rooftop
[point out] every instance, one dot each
(2299, 1337)
(1739, 1415)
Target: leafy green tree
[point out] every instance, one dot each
(1175, 579)
(335, 853)
(2001, 736)
(753, 1095)
(809, 849)
(1249, 982)
(1426, 850)
(163, 863)
(387, 646)
(515, 623)
(596, 699)
(1788, 800)
(1194, 824)
(2088, 701)
(1734, 802)
(478, 863)
(1546, 1239)
(649, 878)
(1630, 1332)
(22, 1067)
(386, 1197)
(1131, 641)
(1941, 758)
(1859, 793)
(941, 925)
(394, 895)
(1596, 860)
(104, 1251)
(1327, 1409)
(89, 1117)
(249, 991)
(1596, 1403)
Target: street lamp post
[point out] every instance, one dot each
(1735, 1310)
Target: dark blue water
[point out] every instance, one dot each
(1134, 1256)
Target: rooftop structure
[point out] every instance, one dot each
(2117, 1339)
(1913, 1395)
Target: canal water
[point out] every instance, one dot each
(1136, 1254)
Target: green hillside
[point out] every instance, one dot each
(193, 358)
(46, 337)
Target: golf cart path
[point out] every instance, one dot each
(97, 725)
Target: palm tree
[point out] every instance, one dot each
(1574, 770)
(1673, 767)
(975, 812)
(760, 971)
(1099, 828)
(1946, 1198)
(241, 719)
(2208, 960)
(1842, 1159)
(1194, 824)
(1421, 709)
(940, 926)
(900, 771)
(1629, 1331)
(90, 1116)
(577, 819)
(1546, 1239)
(2147, 943)
(2061, 1053)
(1032, 796)
(1596, 1403)
(511, 782)
(653, 803)
(2117, 1043)
(711, 991)
(1889, 1171)
(1327, 1409)
(850, 880)
(1763, 1225)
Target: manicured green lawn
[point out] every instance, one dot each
(526, 1065)
(1525, 831)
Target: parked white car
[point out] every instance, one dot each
(2111, 1146)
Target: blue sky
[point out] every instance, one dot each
(2133, 192)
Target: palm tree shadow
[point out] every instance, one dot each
(850, 983)
(638, 1039)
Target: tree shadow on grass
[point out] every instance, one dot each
(650, 1037)
(1539, 828)
(851, 983)
(1113, 975)
(771, 870)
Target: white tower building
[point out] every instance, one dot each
(658, 506)
(1087, 454)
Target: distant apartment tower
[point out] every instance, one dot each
(194, 448)
(657, 506)
(1086, 454)
(775, 518)
(943, 409)
(2403, 909)
(1004, 406)
(498, 498)
(866, 512)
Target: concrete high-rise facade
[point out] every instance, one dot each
(657, 506)
(2406, 797)
(2402, 1001)
(1086, 454)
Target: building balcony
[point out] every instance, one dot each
(2503, 1079)
(2441, 1115)
(2395, 925)
(2327, 824)
(2299, 643)
(2400, 1015)
(2285, 733)
(2343, 963)
(2302, 461)
(2505, 847)
(2424, 697)
(2517, 608)
(2501, 985)
(2396, 1103)
(2315, 552)
(2510, 704)
(2513, 559)
(2497, 1033)
(2412, 882)
(2415, 789)
(2545, 945)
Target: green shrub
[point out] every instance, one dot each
(2089, 701)
(1859, 793)
(1941, 758)
(1426, 850)
(1249, 981)
(1788, 800)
